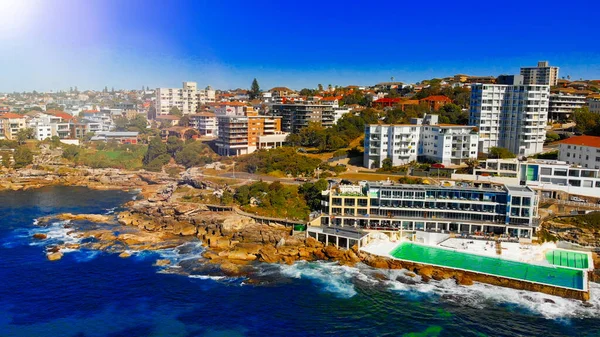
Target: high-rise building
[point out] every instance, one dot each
(424, 139)
(296, 116)
(594, 105)
(543, 74)
(510, 116)
(562, 105)
(245, 134)
(187, 99)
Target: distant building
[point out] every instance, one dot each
(47, 125)
(562, 105)
(240, 135)
(169, 120)
(510, 116)
(297, 116)
(10, 124)
(435, 102)
(121, 137)
(205, 122)
(594, 105)
(580, 150)
(423, 139)
(399, 103)
(187, 99)
(543, 74)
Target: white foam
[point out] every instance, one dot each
(186, 251)
(331, 276)
(208, 277)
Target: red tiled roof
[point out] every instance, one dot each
(11, 115)
(388, 100)
(63, 115)
(582, 141)
(168, 117)
(331, 98)
(437, 98)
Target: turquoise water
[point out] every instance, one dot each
(567, 259)
(561, 277)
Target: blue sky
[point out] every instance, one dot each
(56, 44)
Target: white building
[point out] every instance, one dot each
(543, 74)
(580, 150)
(553, 178)
(424, 139)
(186, 99)
(562, 105)
(205, 123)
(594, 105)
(47, 125)
(510, 116)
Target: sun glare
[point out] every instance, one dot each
(15, 16)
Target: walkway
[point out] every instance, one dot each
(262, 219)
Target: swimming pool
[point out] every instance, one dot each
(555, 276)
(567, 259)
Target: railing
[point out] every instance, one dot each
(570, 203)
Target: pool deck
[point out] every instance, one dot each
(535, 255)
(514, 251)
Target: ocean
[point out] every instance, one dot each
(91, 293)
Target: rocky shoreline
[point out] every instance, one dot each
(162, 218)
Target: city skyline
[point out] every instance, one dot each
(131, 44)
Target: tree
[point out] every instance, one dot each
(156, 148)
(140, 122)
(312, 193)
(5, 159)
(22, 156)
(189, 134)
(24, 134)
(174, 111)
(588, 123)
(70, 152)
(184, 121)
(552, 137)
(500, 153)
(174, 145)
(121, 123)
(387, 164)
(254, 92)
(471, 163)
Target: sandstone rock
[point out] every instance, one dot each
(40, 236)
(243, 256)
(124, 255)
(333, 252)
(464, 280)
(54, 256)
(162, 262)
(74, 246)
(268, 254)
(87, 217)
(410, 274)
(281, 243)
(231, 269)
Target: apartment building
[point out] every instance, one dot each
(205, 122)
(594, 105)
(562, 105)
(10, 124)
(580, 150)
(543, 74)
(295, 116)
(512, 116)
(461, 209)
(228, 108)
(187, 99)
(50, 125)
(423, 140)
(238, 135)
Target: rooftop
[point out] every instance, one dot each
(582, 141)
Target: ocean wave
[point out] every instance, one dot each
(332, 277)
(208, 277)
(186, 251)
(110, 211)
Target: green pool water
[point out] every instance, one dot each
(556, 276)
(567, 259)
